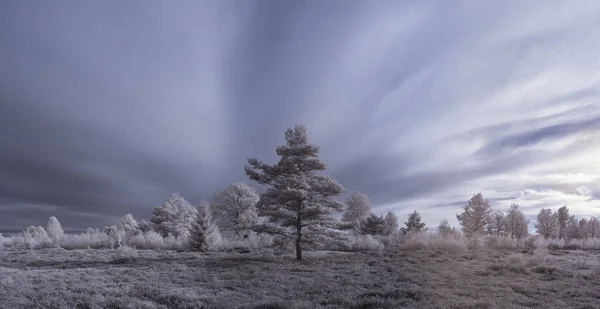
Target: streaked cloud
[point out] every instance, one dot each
(106, 108)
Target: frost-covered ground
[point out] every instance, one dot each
(126, 278)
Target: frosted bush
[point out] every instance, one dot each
(365, 243)
(539, 256)
(514, 258)
(554, 243)
(392, 241)
(148, 240)
(502, 242)
(253, 240)
(591, 244)
(34, 237)
(92, 239)
(416, 241)
(176, 243)
(448, 242)
(539, 242)
(476, 242)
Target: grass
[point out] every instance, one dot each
(125, 278)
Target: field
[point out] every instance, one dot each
(128, 278)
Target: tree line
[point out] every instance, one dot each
(297, 207)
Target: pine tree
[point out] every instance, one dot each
(296, 197)
(372, 225)
(414, 224)
(547, 223)
(475, 216)
(203, 234)
(390, 223)
(234, 209)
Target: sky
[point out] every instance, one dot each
(108, 107)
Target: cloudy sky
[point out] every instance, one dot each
(107, 107)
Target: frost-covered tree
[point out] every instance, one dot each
(145, 226)
(573, 229)
(174, 217)
(36, 232)
(516, 223)
(563, 219)
(497, 224)
(372, 225)
(390, 223)
(444, 228)
(203, 234)
(358, 207)
(55, 230)
(547, 223)
(296, 197)
(128, 224)
(475, 216)
(234, 209)
(593, 227)
(414, 224)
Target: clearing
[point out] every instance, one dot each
(127, 278)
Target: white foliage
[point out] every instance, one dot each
(55, 231)
(174, 217)
(128, 224)
(365, 243)
(234, 209)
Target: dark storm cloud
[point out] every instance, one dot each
(108, 107)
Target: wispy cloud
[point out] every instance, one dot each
(106, 109)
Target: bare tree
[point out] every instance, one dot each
(475, 216)
(497, 224)
(296, 197)
(414, 224)
(547, 223)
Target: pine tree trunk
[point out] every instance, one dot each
(298, 237)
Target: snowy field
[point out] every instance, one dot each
(128, 278)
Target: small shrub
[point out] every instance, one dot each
(365, 243)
